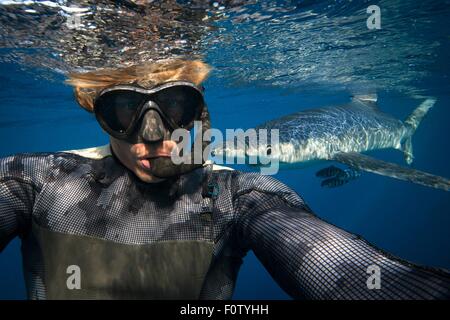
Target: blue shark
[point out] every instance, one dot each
(342, 133)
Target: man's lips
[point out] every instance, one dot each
(145, 161)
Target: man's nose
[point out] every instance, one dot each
(152, 129)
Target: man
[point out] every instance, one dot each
(124, 221)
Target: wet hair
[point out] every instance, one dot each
(88, 84)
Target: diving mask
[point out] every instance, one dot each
(120, 109)
(140, 115)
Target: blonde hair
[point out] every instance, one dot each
(88, 84)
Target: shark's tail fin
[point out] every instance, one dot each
(412, 123)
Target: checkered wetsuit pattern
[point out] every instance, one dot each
(308, 257)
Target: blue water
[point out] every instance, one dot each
(246, 88)
(408, 220)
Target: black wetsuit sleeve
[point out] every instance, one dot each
(20, 178)
(310, 258)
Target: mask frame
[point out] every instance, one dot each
(161, 167)
(143, 105)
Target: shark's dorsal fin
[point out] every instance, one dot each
(367, 100)
(366, 163)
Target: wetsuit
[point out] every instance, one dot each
(183, 238)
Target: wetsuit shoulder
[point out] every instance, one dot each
(36, 168)
(22, 177)
(28, 168)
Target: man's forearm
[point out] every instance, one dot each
(312, 259)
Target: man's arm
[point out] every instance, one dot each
(310, 258)
(21, 177)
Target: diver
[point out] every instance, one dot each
(134, 225)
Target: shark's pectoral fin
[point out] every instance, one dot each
(328, 172)
(333, 182)
(366, 163)
(336, 177)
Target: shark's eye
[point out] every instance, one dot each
(269, 150)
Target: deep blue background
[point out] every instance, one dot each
(408, 220)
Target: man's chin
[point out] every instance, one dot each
(146, 176)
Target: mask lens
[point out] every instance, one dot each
(182, 104)
(117, 108)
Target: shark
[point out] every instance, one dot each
(342, 134)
